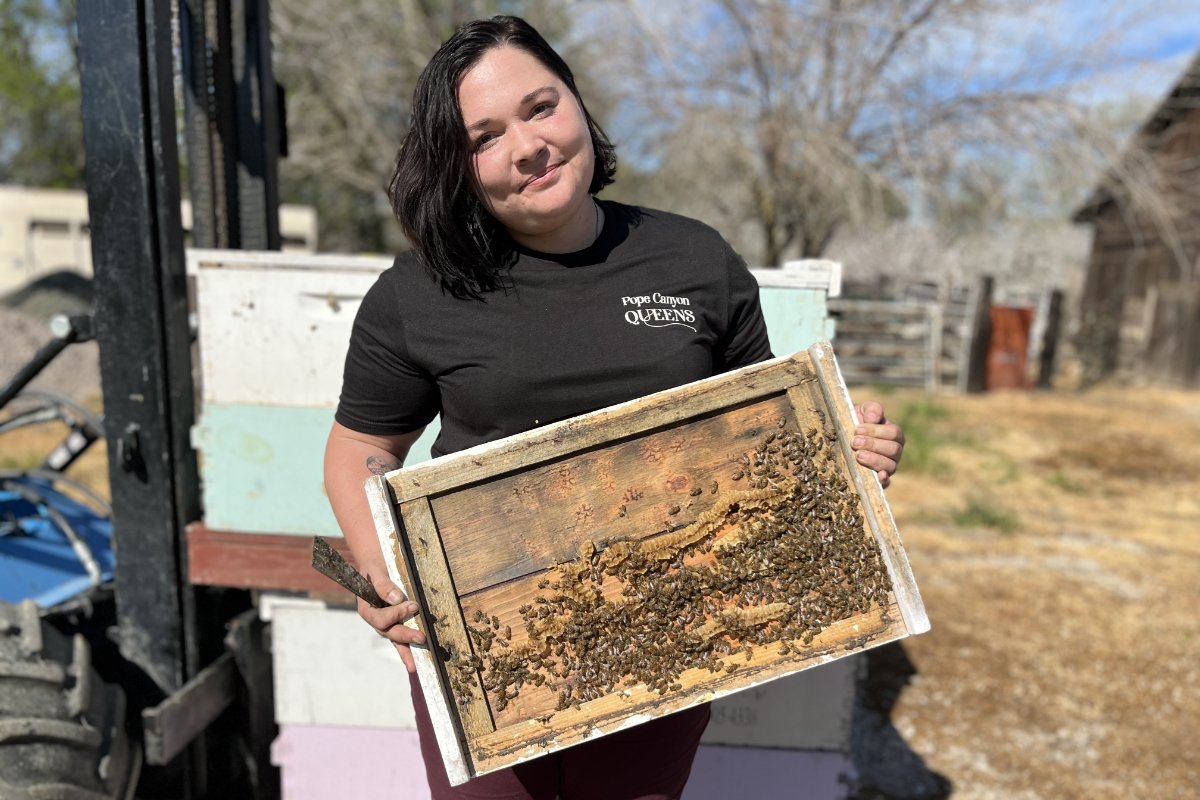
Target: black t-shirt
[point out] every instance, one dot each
(657, 301)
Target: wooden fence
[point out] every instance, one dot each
(920, 336)
(892, 342)
(938, 337)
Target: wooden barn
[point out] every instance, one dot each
(1140, 306)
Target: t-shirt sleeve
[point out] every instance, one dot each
(745, 339)
(383, 392)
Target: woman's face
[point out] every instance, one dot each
(531, 150)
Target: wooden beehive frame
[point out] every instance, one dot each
(446, 553)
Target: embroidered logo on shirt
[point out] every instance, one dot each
(660, 311)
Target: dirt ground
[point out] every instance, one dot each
(1055, 538)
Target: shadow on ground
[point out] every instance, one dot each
(888, 769)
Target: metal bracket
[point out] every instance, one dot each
(129, 447)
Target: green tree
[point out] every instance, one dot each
(41, 131)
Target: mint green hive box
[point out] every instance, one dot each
(273, 334)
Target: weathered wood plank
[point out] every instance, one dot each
(441, 606)
(618, 490)
(622, 421)
(259, 561)
(503, 602)
(531, 738)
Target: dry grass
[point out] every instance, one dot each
(1056, 541)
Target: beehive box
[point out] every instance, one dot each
(608, 569)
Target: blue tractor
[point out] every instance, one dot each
(62, 722)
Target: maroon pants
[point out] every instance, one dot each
(649, 762)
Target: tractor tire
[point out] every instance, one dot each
(62, 729)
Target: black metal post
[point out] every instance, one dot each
(981, 335)
(234, 123)
(168, 631)
(199, 49)
(126, 83)
(1050, 340)
(258, 125)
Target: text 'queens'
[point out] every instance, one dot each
(658, 310)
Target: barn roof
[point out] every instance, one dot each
(1184, 97)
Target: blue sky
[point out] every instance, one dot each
(1151, 40)
(1161, 38)
(1179, 43)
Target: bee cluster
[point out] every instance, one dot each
(777, 558)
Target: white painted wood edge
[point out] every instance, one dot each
(908, 598)
(386, 526)
(269, 603)
(199, 258)
(809, 273)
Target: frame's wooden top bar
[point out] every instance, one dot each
(615, 422)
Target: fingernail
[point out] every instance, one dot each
(395, 596)
(410, 608)
(861, 429)
(858, 441)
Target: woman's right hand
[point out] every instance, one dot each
(389, 622)
(351, 458)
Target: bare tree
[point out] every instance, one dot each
(791, 119)
(349, 68)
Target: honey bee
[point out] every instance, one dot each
(796, 561)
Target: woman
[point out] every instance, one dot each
(524, 301)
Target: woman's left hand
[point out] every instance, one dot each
(877, 444)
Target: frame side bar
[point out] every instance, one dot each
(439, 599)
(387, 527)
(879, 516)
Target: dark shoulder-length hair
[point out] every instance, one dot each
(433, 189)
